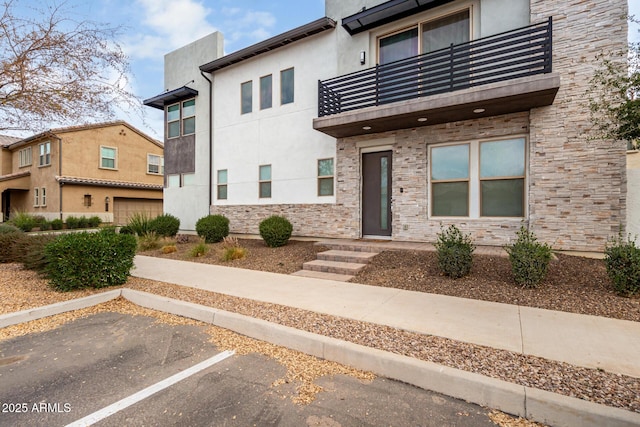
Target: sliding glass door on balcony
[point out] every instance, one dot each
(398, 54)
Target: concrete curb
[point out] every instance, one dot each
(537, 405)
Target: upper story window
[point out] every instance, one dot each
(25, 157)
(286, 86)
(266, 96)
(108, 157)
(155, 164)
(246, 97)
(45, 154)
(181, 118)
(425, 37)
(479, 179)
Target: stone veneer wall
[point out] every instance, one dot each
(578, 191)
(577, 186)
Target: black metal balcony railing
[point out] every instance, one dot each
(518, 53)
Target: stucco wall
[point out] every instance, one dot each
(281, 136)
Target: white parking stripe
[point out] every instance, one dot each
(143, 394)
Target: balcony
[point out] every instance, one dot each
(500, 74)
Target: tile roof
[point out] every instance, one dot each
(107, 183)
(9, 176)
(6, 140)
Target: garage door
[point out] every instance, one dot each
(124, 208)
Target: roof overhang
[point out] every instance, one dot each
(170, 97)
(16, 181)
(387, 12)
(315, 27)
(510, 96)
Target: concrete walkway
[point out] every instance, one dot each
(581, 340)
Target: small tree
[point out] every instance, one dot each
(614, 94)
(54, 69)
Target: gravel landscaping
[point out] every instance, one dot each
(574, 284)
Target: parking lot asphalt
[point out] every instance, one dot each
(77, 373)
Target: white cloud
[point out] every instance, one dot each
(245, 27)
(173, 23)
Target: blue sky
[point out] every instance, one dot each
(153, 28)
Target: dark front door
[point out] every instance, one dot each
(6, 204)
(376, 194)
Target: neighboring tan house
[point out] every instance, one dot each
(110, 170)
(392, 119)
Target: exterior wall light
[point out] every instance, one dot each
(106, 204)
(363, 57)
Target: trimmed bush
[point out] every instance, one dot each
(275, 231)
(529, 259)
(45, 225)
(57, 224)
(165, 225)
(213, 228)
(95, 260)
(73, 222)
(94, 221)
(83, 222)
(622, 259)
(455, 252)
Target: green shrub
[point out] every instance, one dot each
(455, 252)
(94, 221)
(165, 225)
(96, 260)
(45, 225)
(125, 229)
(148, 241)
(213, 228)
(622, 259)
(6, 228)
(73, 222)
(275, 231)
(57, 224)
(199, 250)
(83, 222)
(23, 221)
(529, 259)
(139, 223)
(110, 229)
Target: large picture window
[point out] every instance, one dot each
(479, 179)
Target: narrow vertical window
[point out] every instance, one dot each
(222, 184)
(36, 197)
(265, 92)
(189, 117)
(246, 95)
(325, 177)
(43, 196)
(173, 121)
(286, 86)
(265, 181)
(108, 157)
(450, 180)
(87, 200)
(45, 154)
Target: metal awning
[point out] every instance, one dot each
(169, 97)
(387, 12)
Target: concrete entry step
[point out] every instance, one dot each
(325, 276)
(333, 266)
(346, 256)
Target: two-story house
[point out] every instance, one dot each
(110, 170)
(390, 119)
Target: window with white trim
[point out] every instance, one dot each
(25, 157)
(478, 179)
(155, 164)
(45, 154)
(108, 157)
(43, 196)
(222, 184)
(36, 197)
(265, 181)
